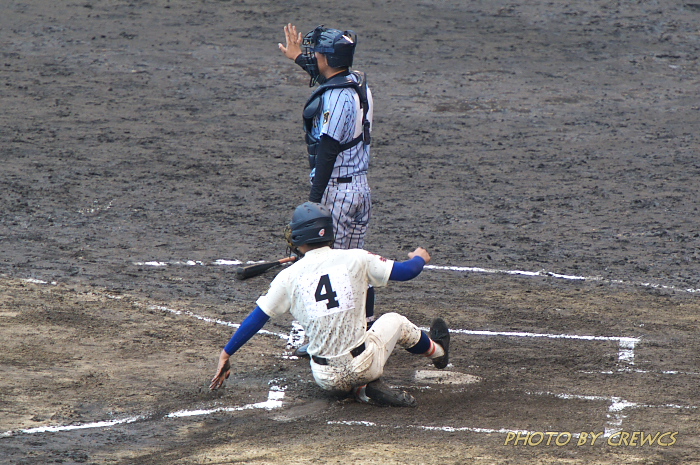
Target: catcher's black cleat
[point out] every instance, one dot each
(301, 351)
(440, 335)
(380, 393)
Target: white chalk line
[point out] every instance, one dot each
(551, 274)
(616, 409)
(614, 413)
(449, 429)
(38, 281)
(56, 429)
(625, 354)
(274, 400)
(465, 269)
(295, 338)
(212, 320)
(637, 370)
(625, 351)
(626, 344)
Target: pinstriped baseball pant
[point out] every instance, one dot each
(350, 204)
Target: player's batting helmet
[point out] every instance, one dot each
(338, 47)
(312, 223)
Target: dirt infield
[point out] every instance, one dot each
(544, 152)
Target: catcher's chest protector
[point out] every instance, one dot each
(313, 108)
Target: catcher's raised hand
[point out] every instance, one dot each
(222, 372)
(293, 42)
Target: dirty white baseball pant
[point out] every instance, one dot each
(345, 372)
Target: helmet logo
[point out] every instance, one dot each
(349, 39)
(322, 232)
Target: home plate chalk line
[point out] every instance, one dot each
(626, 346)
(465, 269)
(274, 400)
(615, 411)
(296, 336)
(615, 414)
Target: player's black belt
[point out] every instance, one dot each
(344, 180)
(354, 352)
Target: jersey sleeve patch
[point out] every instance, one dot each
(379, 269)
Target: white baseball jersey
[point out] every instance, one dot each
(326, 291)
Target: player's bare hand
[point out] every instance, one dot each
(420, 252)
(222, 372)
(292, 49)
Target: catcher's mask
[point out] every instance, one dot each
(312, 223)
(338, 47)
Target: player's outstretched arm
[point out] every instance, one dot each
(251, 325)
(403, 271)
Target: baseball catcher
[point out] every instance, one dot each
(337, 124)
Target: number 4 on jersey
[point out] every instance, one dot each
(324, 291)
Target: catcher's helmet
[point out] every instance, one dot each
(312, 223)
(338, 47)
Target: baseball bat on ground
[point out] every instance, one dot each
(248, 271)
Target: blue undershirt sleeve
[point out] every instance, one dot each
(251, 325)
(403, 271)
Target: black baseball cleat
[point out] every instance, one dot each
(380, 393)
(301, 351)
(440, 334)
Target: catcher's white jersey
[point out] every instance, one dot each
(326, 291)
